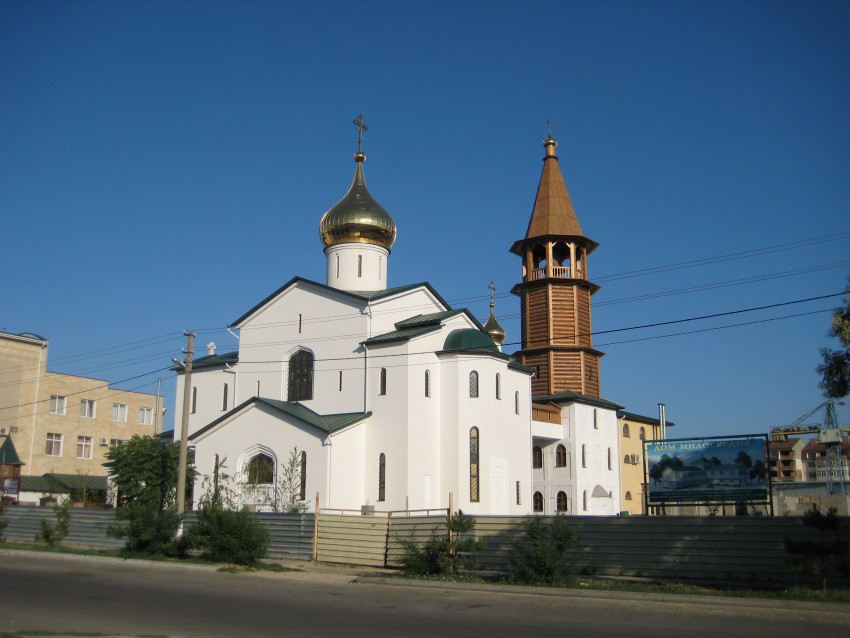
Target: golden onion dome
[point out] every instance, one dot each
(357, 217)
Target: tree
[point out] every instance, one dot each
(824, 555)
(744, 459)
(544, 555)
(835, 369)
(758, 470)
(144, 471)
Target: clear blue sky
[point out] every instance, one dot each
(164, 166)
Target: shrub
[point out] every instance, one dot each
(442, 553)
(828, 554)
(149, 531)
(54, 534)
(4, 505)
(225, 536)
(543, 557)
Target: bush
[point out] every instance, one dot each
(543, 557)
(225, 536)
(52, 534)
(4, 505)
(441, 553)
(149, 531)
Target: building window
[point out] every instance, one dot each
(119, 412)
(536, 457)
(359, 265)
(194, 400)
(516, 402)
(340, 380)
(57, 404)
(300, 376)
(642, 434)
(595, 420)
(628, 496)
(113, 443)
(473, 466)
(260, 470)
(302, 495)
(561, 502)
(518, 493)
(560, 456)
(626, 430)
(299, 322)
(54, 444)
(224, 398)
(584, 500)
(146, 416)
(609, 459)
(583, 455)
(382, 389)
(626, 459)
(84, 447)
(87, 408)
(537, 502)
(498, 387)
(473, 385)
(382, 477)
(427, 383)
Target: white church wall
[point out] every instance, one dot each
(357, 267)
(386, 312)
(208, 387)
(346, 470)
(423, 416)
(597, 441)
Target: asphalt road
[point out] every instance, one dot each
(60, 595)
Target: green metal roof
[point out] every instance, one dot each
(8, 453)
(400, 335)
(210, 361)
(567, 396)
(329, 423)
(62, 483)
(360, 296)
(631, 416)
(469, 340)
(513, 364)
(435, 318)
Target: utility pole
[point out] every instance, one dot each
(184, 426)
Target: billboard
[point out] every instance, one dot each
(721, 469)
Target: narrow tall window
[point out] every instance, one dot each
(626, 430)
(584, 500)
(382, 388)
(537, 501)
(583, 455)
(536, 457)
(260, 470)
(359, 265)
(473, 384)
(474, 496)
(302, 495)
(561, 502)
(595, 420)
(382, 477)
(427, 383)
(224, 398)
(498, 387)
(300, 376)
(609, 459)
(560, 456)
(258, 388)
(337, 266)
(299, 323)
(516, 402)
(194, 400)
(340, 380)
(642, 434)
(518, 493)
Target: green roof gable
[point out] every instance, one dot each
(8, 453)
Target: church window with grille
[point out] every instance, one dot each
(537, 502)
(474, 495)
(560, 456)
(427, 383)
(302, 495)
(260, 470)
(382, 389)
(536, 457)
(561, 502)
(382, 477)
(498, 387)
(300, 376)
(473, 384)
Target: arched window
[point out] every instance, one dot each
(382, 389)
(626, 430)
(536, 457)
(473, 384)
(302, 495)
(260, 470)
(427, 383)
(537, 501)
(609, 459)
(474, 495)
(382, 477)
(224, 398)
(516, 402)
(498, 387)
(626, 459)
(560, 456)
(628, 496)
(561, 502)
(194, 400)
(300, 376)
(642, 434)
(584, 500)
(583, 455)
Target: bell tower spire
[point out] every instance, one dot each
(555, 290)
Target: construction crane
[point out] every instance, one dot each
(830, 434)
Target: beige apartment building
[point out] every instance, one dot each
(634, 430)
(64, 423)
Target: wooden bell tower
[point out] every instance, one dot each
(555, 291)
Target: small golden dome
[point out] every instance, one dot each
(358, 217)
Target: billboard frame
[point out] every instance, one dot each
(713, 496)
